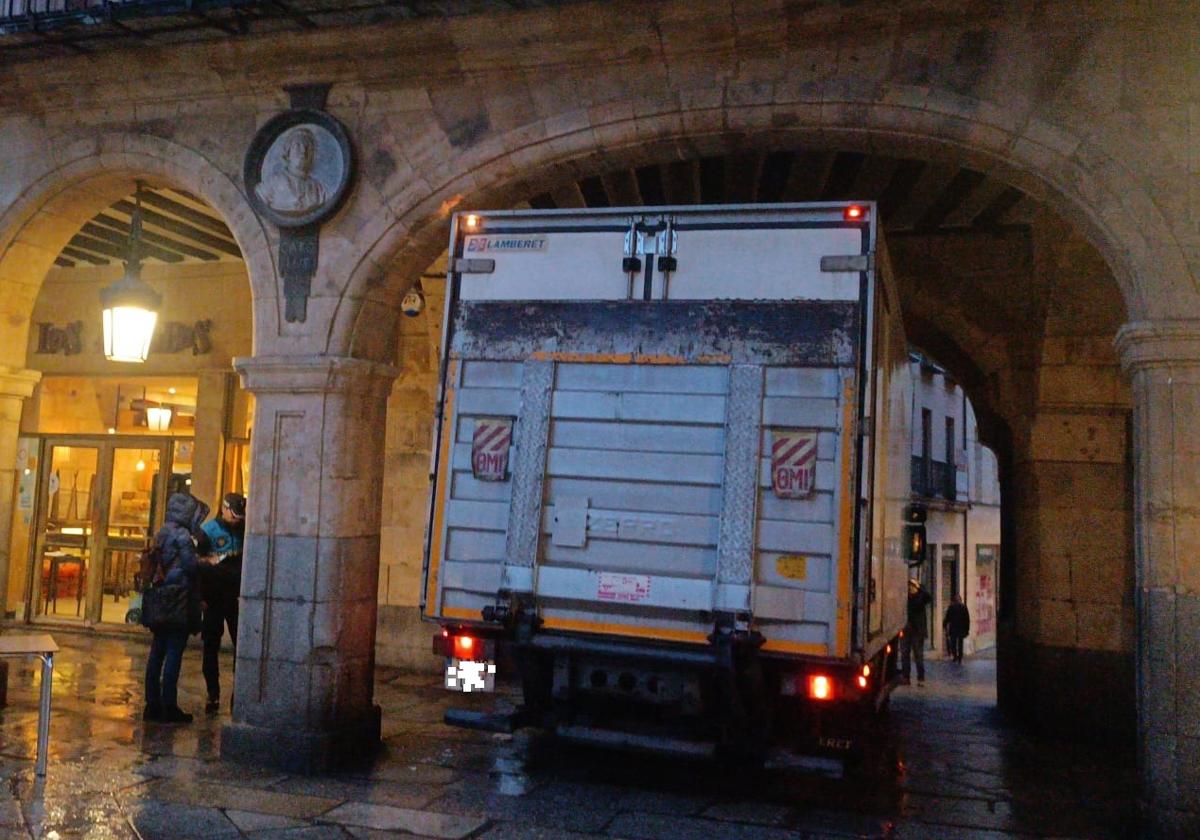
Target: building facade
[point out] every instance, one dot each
(955, 479)
(1039, 158)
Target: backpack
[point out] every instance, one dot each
(150, 569)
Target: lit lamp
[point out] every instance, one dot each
(158, 418)
(130, 305)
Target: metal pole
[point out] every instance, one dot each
(43, 745)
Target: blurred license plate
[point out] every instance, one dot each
(470, 675)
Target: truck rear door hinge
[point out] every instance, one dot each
(849, 262)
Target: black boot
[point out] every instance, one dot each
(152, 713)
(176, 715)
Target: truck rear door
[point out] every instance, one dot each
(634, 449)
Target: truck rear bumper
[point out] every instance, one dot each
(685, 700)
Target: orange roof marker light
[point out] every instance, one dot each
(855, 213)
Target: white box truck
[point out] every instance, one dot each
(671, 474)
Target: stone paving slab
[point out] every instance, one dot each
(163, 820)
(248, 821)
(387, 818)
(363, 790)
(954, 772)
(754, 813)
(662, 827)
(242, 799)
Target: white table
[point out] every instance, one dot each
(43, 646)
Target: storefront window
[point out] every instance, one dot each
(151, 405)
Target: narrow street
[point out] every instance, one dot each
(960, 774)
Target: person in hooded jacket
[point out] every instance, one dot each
(176, 541)
(220, 585)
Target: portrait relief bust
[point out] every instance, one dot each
(297, 173)
(298, 169)
(291, 188)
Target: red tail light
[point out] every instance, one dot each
(820, 687)
(855, 213)
(465, 647)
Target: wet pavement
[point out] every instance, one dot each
(957, 773)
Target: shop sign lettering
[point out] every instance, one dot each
(67, 339)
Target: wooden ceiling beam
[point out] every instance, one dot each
(650, 185)
(147, 248)
(188, 214)
(741, 177)
(964, 182)
(807, 177)
(935, 178)
(84, 256)
(622, 188)
(964, 215)
(149, 217)
(873, 178)
(682, 182)
(842, 175)
(994, 214)
(569, 196)
(156, 239)
(98, 246)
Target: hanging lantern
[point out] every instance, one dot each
(130, 305)
(158, 418)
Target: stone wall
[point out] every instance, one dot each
(403, 640)
(216, 291)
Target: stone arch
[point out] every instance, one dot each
(84, 177)
(1111, 205)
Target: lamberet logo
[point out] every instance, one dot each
(480, 244)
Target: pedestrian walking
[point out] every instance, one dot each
(175, 553)
(916, 631)
(957, 626)
(220, 586)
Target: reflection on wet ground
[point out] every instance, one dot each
(957, 773)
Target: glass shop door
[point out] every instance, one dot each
(100, 501)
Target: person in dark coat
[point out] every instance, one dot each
(176, 542)
(916, 631)
(957, 626)
(220, 585)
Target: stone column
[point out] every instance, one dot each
(16, 385)
(1070, 504)
(212, 411)
(303, 698)
(1163, 359)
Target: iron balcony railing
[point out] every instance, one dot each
(934, 479)
(55, 27)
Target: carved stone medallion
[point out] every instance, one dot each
(297, 172)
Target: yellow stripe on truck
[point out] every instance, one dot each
(782, 646)
(845, 522)
(665, 634)
(432, 603)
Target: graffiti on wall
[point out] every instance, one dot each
(985, 590)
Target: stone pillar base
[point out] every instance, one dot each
(1160, 823)
(1086, 696)
(299, 750)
